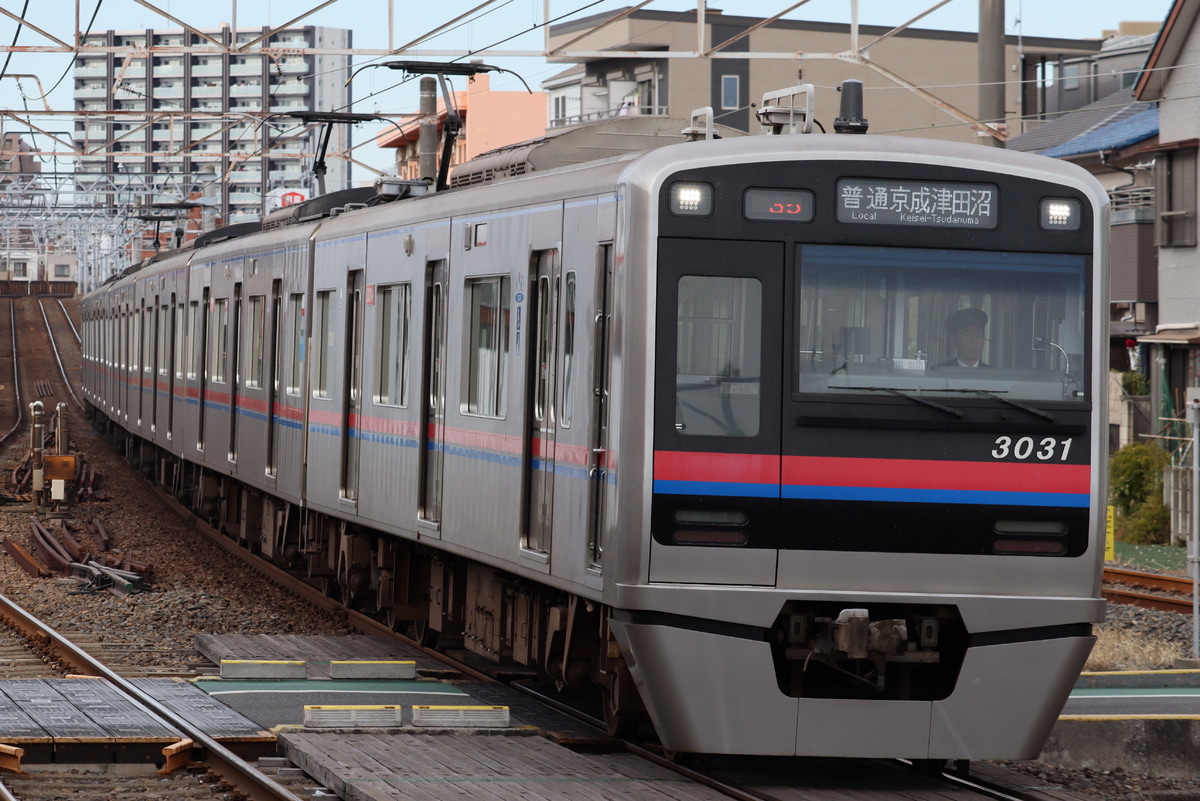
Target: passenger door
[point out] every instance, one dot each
(433, 395)
(541, 417)
(718, 383)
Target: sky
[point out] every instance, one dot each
(507, 25)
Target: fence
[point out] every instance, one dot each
(58, 289)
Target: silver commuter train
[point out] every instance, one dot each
(684, 424)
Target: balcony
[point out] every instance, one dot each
(206, 91)
(608, 114)
(93, 69)
(168, 70)
(254, 67)
(246, 90)
(246, 177)
(91, 91)
(206, 70)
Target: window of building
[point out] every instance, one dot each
(730, 86)
(62, 271)
(1175, 198)
(1070, 76)
(20, 269)
(487, 346)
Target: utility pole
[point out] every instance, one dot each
(991, 66)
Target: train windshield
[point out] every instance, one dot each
(948, 323)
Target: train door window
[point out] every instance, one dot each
(177, 337)
(193, 327)
(295, 343)
(487, 346)
(220, 332)
(393, 303)
(162, 325)
(718, 356)
(146, 335)
(326, 339)
(568, 349)
(254, 342)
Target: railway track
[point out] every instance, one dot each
(1170, 593)
(219, 767)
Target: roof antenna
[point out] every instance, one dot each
(850, 119)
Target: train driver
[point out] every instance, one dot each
(965, 329)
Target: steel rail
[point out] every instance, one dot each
(1165, 603)
(70, 322)
(1153, 581)
(58, 358)
(254, 784)
(12, 324)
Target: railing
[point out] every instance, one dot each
(608, 114)
(1141, 197)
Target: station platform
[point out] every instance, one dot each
(1140, 722)
(74, 720)
(274, 703)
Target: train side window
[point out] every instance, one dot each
(254, 342)
(220, 342)
(326, 340)
(568, 350)
(718, 360)
(394, 304)
(296, 342)
(486, 358)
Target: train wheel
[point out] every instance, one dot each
(425, 635)
(618, 722)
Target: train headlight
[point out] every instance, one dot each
(691, 199)
(1061, 214)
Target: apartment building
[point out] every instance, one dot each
(180, 112)
(623, 65)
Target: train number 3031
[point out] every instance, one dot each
(1031, 448)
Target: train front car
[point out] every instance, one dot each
(875, 526)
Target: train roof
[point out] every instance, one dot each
(564, 147)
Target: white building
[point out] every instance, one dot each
(154, 75)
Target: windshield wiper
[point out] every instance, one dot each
(1042, 413)
(893, 391)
